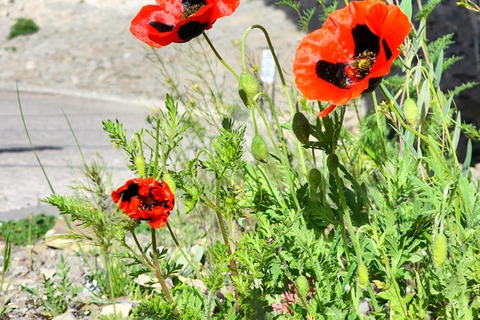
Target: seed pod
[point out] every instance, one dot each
(362, 273)
(248, 88)
(410, 112)
(140, 164)
(314, 177)
(170, 182)
(439, 249)
(332, 162)
(259, 149)
(301, 127)
(302, 286)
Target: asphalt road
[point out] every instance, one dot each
(22, 182)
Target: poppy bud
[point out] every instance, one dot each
(140, 164)
(332, 162)
(301, 127)
(248, 88)
(302, 286)
(362, 273)
(259, 149)
(439, 249)
(168, 179)
(410, 112)
(314, 177)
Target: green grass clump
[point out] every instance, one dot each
(23, 27)
(25, 231)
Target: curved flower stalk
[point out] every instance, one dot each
(351, 53)
(178, 20)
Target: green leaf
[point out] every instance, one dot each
(406, 7)
(439, 69)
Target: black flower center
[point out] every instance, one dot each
(191, 30)
(161, 27)
(367, 48)
(132, 191)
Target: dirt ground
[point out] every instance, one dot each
(84, 61)
(84, 46)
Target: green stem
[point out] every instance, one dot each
(187, 258)
(388, 269)
(144, 255)
(158, 273)
(284, 159)
(30, 140)
(254, 119)
(219, 57)
(377, 118)
(157, 145)
(110, 280)
(223, 229)
(275, 58)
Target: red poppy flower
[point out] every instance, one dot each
(351, 53)
(178, 20)
(145, 199)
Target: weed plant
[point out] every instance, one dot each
(56, 297)
(305, 219)
(22, 27)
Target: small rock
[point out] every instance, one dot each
(123, 308)
(66, 316)
(40, 247)
(48, 273)
(59, 236)
(147, 281)
(30, 65)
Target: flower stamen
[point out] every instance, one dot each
(190, 7)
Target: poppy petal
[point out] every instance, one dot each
(327, 110)
(158, 222)
(145, 199)
(225, 8)
(316, 47)
(351, 53)
(147, 26)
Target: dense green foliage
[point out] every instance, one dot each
(25, 231)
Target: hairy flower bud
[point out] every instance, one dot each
(362, 273)
(332, 162)
(439, 249)
(301, 127)
(248, 88)
(259, 149)
(314, 177)
(302, 286)
(410, 112)
(170, 182)
(140, 164)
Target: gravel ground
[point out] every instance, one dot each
(85, 46)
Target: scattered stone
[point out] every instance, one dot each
(48, 273)
(147, 281)
(123, 308)
(66, 316)
(30, 65)
(60, 236)
(40, 247)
